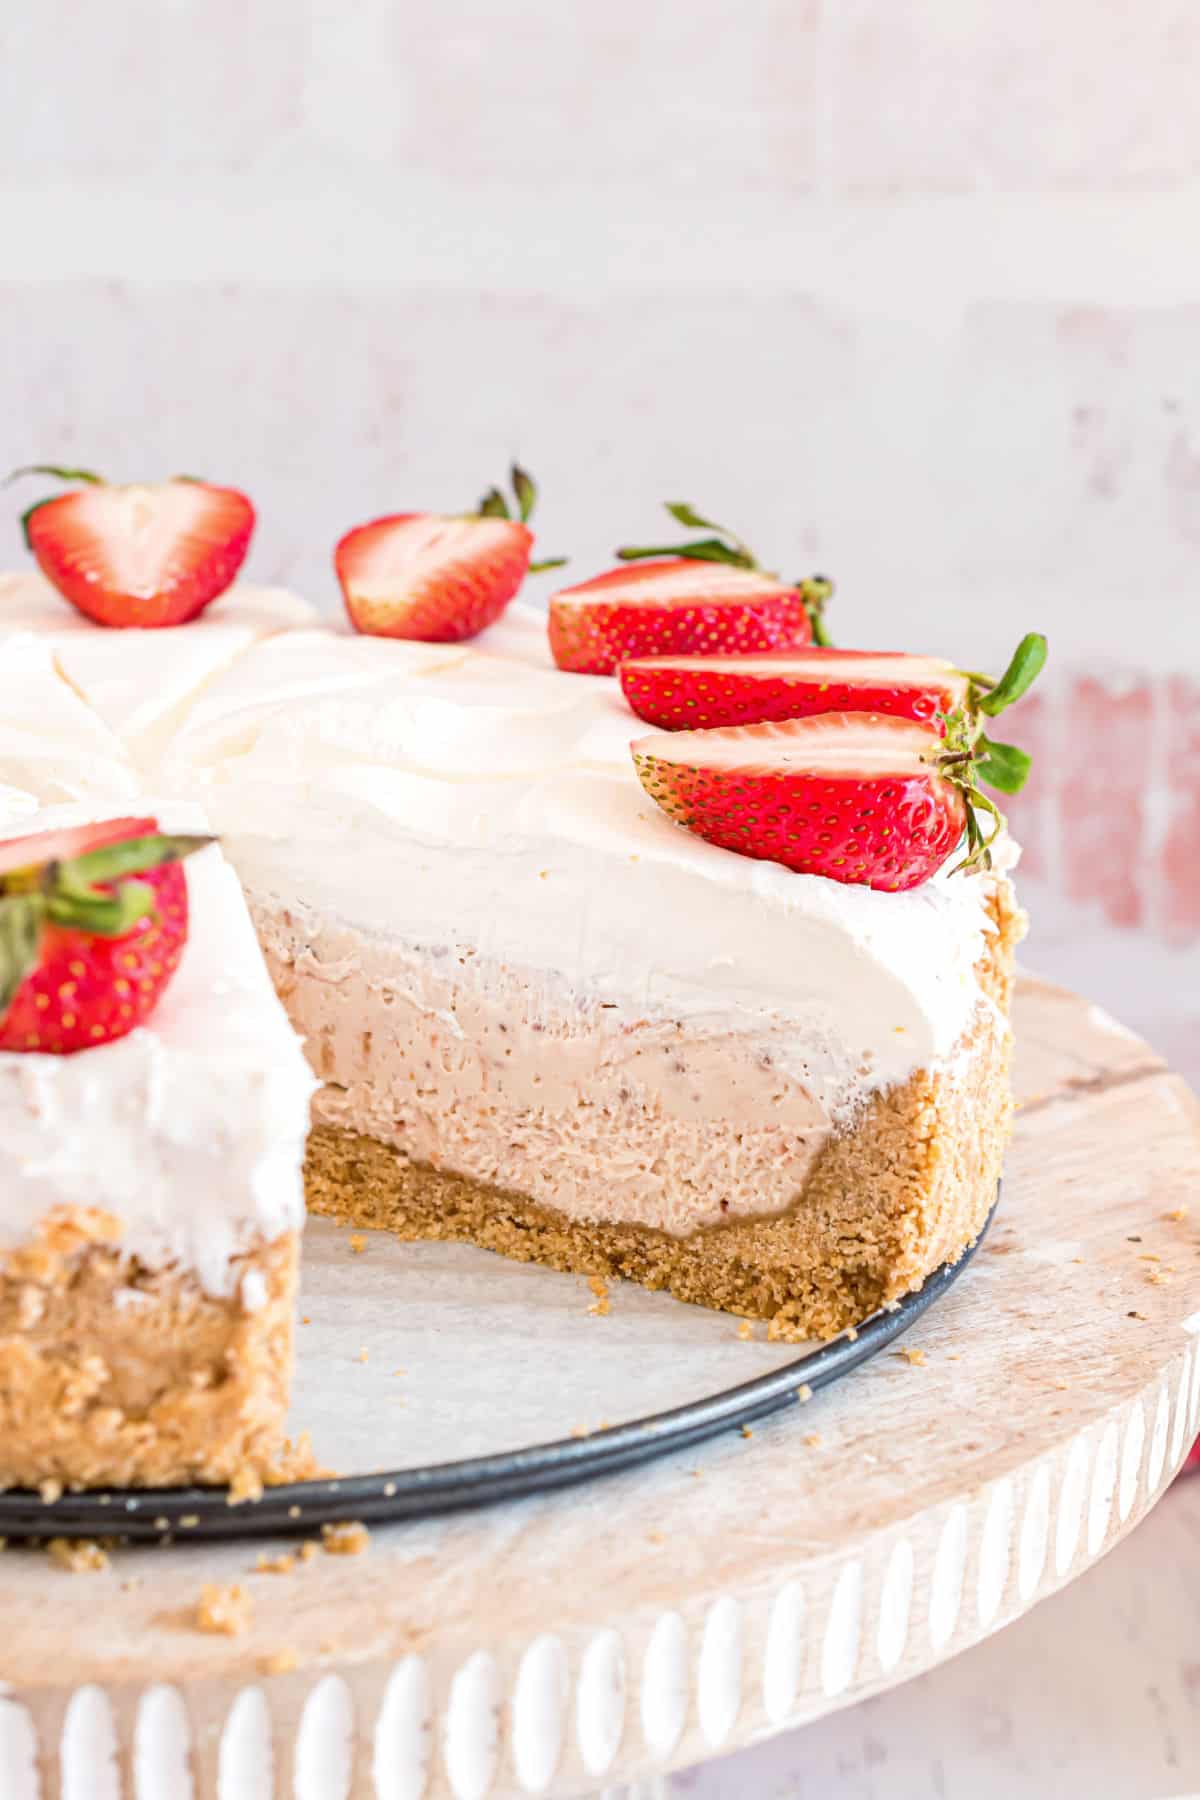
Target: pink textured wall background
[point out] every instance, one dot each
(909, 292)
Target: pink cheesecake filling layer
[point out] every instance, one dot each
(602, 1115)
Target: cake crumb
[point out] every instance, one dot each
(579, 1431)
(274, 1565)
(1177, 1215)
(280, 1662)
(851, 1334)
(296, 1461)
(309, 1551)
(1158, 1278)
(50, 1491)
(804, 1393)
(358, 1242)
(913, 1355)
(247, 1484)
(1135, 1315)
(189, 1521)
(364, 1354)
(746, 1431)
(78, 1556)
(399, 1371)
(306, 1320)
(1062, 1384)
(600, 1306)
(347, 1538)
(225, 1611)
(656, 1537)
(746, 1331)
(812, 1439)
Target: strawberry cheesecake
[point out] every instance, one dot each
(681, 972)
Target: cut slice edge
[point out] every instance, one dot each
(874, 667)
(391, 556)
(675, 582)
(856, 745)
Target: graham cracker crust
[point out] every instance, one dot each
(905, 1189)
(112, 1374)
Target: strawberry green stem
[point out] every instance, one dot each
(495, 505)
(58, 472)
(969, 756)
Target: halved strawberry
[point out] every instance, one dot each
(709, 595)
(688, 693)
(857, 797)
(439, 577)
(92, 925)
(673, 605)
(144, 555)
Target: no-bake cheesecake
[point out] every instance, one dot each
(541, 1017)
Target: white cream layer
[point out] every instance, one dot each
(190, 1130)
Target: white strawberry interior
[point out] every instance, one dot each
(862, 744)
(674, 584)
(411, 551)
(866, 668)
(142, 527)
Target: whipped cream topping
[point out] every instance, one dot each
(52, 745)
(139, 683)
(191, 1129)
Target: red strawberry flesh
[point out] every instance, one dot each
(678, 605)
(434, 578)
(851, 796)
(142, 556)
(86, 950)
(679, 693)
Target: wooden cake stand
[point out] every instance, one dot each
(561, 1644)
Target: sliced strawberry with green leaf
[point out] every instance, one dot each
(440, 577)
(672, 605)
(690, 693)
(705, 692)
(856, 797)
(149, 555)
(707, 595)
(93, 921)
